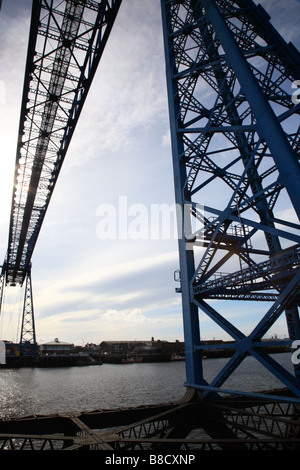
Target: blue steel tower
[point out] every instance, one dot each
(234, 121)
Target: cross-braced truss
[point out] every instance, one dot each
(28, 344)
(189, 425)
(66, 42)
(235, 138)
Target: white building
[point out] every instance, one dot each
(56, 347)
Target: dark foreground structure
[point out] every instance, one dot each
(192, 424)
(232, 84)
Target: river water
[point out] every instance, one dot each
(29, 391)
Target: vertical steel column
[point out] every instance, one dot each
(28, 345)
(194, 372)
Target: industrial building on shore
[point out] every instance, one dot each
(58, 353)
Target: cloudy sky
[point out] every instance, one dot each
(87, 288)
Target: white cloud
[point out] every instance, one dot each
(127, 97)
(166, 139)
(283, 19)
(132, 317)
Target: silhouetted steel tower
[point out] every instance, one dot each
(235, 137)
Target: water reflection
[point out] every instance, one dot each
(43, 391)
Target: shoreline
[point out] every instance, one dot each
(80, 360)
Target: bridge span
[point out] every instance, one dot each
(235, 135)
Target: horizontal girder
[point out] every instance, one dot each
(65, 46)
(270, 271)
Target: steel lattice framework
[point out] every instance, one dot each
(66, 42)
(28, 344)
(185, 427)
(235, 138)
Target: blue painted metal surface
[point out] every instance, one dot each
(235, 140)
